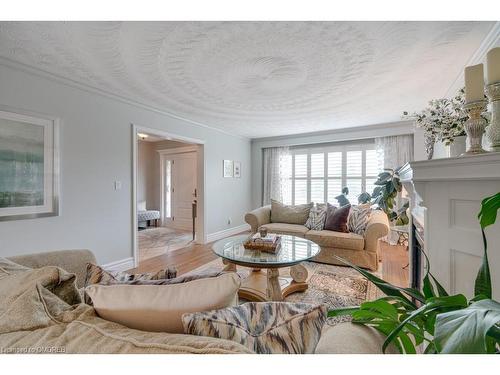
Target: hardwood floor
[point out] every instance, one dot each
(394, 264)
(394, 258)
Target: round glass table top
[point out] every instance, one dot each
(293, 250)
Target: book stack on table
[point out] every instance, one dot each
(270, 243)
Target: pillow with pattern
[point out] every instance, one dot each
(98, 275)
(317, 217)
(264, 327)
(358, 218)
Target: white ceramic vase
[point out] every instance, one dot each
(458, 146)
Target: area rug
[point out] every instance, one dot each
(158, 241)
(329, 285)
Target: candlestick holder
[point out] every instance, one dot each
(474, 126)
(493, 130)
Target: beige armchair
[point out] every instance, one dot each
(360, 250)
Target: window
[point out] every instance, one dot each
(319, 174)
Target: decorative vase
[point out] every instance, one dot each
(493, 130)
(262, 232)
(458, 146)
(429, 146)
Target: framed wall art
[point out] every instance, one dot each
(227, 168)
(29, 166)
(237, 169)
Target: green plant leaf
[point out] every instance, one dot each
(488, 213)
(464, 331)
(482, 285)
(427, 288)
(342, 311)
(433, 303)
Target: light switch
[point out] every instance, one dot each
(118, 185)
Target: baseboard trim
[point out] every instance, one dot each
(227, 232)
(119, 265)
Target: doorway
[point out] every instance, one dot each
(167, 198)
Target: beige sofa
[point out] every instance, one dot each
(80, 330)
(360, 250)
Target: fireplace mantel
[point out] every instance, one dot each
(445, 197)
(475, 167)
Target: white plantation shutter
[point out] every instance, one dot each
(300, 192)
(318, 165)
(319, 174)
(335, 164)
(354, 163)
(372, 165)
(300, 165)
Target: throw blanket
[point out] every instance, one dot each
(41, 311)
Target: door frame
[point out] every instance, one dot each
(163, 156)
(199, 145)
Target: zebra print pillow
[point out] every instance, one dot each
(98, 275)
(317, 217)
(264, 327)
(358, 218)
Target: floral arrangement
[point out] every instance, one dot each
(443, 120)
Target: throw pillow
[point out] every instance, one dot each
(336, 218)
(358, 218)
(159, 308)
(98, 275)
(282, 213)
(264, 327)
(317, 216)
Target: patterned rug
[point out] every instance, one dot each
(333, 286)
(157, 241)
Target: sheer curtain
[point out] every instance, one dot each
(394, 151)
(277, 173)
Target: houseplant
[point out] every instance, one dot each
(442, 323)
(443, 119)
(384, 195)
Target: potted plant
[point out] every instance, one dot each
(443, 120)
(430, 317)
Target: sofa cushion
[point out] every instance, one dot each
(359, 216)
(282, 213)
(336, 218)
(349, 338)
(158, 308)
(341, 240)
(281, 228)
(264, 327)
(317, 217)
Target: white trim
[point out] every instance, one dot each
(120, 265)
(201, 234)
(338, 135)
(178, 150)
(69, 82)
(478, 57)
(227, 232)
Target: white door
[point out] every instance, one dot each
(183, 191)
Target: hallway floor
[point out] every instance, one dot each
(158, 241)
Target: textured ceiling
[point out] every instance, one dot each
(256, 79)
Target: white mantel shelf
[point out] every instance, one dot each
(475, 167)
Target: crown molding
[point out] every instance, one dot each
(110, 95)
(478, 57)
(338, 135)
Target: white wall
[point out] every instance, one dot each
(148, 175)
(364, 132)
(96, 150)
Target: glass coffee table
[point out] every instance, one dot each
(269, 285)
